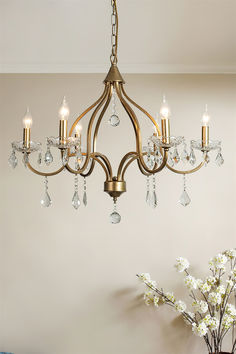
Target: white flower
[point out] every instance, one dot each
(180, 306)
(156, 301)
(145, 277)
(231, 253)
(182, 264)
(148, 297)
(200, 306)
(211, 280)
(205, 287)
(230, 310)
(190, 282)
(170, 296)
(151, 283)
(219, 261)
(211, 322)
(214, 298)
(199, 282)
(200, 330)
(230, 283)
(190, 318)
(220, 290)
(227, 321)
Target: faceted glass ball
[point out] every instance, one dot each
(114, 120)
(115, 217)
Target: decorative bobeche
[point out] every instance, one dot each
(162, 149)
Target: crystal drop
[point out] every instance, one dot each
(115, 217)
(114, 120)
(76, 200)
(39, 158)
(25, 159)
(13, 160)
(184, 156)
(85, 199)
(46, 201)
(48, 157)
(65, 158)
(153, 203)
(176, 156)
(148, 198)
(150, 161)
(207, 159)
(192, 157)
(184, 199)
(170, 160)
(219, 159)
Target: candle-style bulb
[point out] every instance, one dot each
(64, 110)
(27, 120)
(165, 109)
(205, 118)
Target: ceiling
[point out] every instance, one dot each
(156, 36)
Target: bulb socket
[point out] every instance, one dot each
(26, 138)
(63, 131)
(205, 136)
(165, 128)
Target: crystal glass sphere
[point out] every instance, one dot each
(115, 217)
(114, 120)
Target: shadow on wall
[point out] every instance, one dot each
(133, 309)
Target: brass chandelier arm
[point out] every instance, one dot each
(89, 130)
(188, 171)
(135, 122)
(87, 111)
(71, 170)
(109, 94)
(44, 174)
(121, 165)
(106, 162)
(141, 109)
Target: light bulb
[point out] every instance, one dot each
(27, 120)
(205, 118)
(78, 129)
(165, 109)
(64, 110)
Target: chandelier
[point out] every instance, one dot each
(161, 150)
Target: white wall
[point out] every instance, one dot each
(67, 277)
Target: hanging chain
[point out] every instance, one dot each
(114, 34)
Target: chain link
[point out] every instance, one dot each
(114, 34)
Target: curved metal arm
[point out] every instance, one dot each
(141, 109)
(124, 159)
(87, 111)
(188, 171)
(71, 170)
(45, 174)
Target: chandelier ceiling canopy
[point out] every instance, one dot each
(161, 150)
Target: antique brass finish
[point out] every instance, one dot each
(26, 137)
(114, 75)
(115, 188)
(205, 136)
(63, 131)
(165, 127)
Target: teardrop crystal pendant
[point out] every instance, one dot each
(184, 198)
(170, 160)
(148, 194)
(184, 155)
(13, 159)
(39, 158)
(192, 157)
(85, 199)
(114, 120)
(65, 157)
(48, 157)
(158, 157)
(219, 158)
(46, 200)
(207, 159)
(115, 217)
(25, 159)
(175, 155)
(75, 200)
(153, 203)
